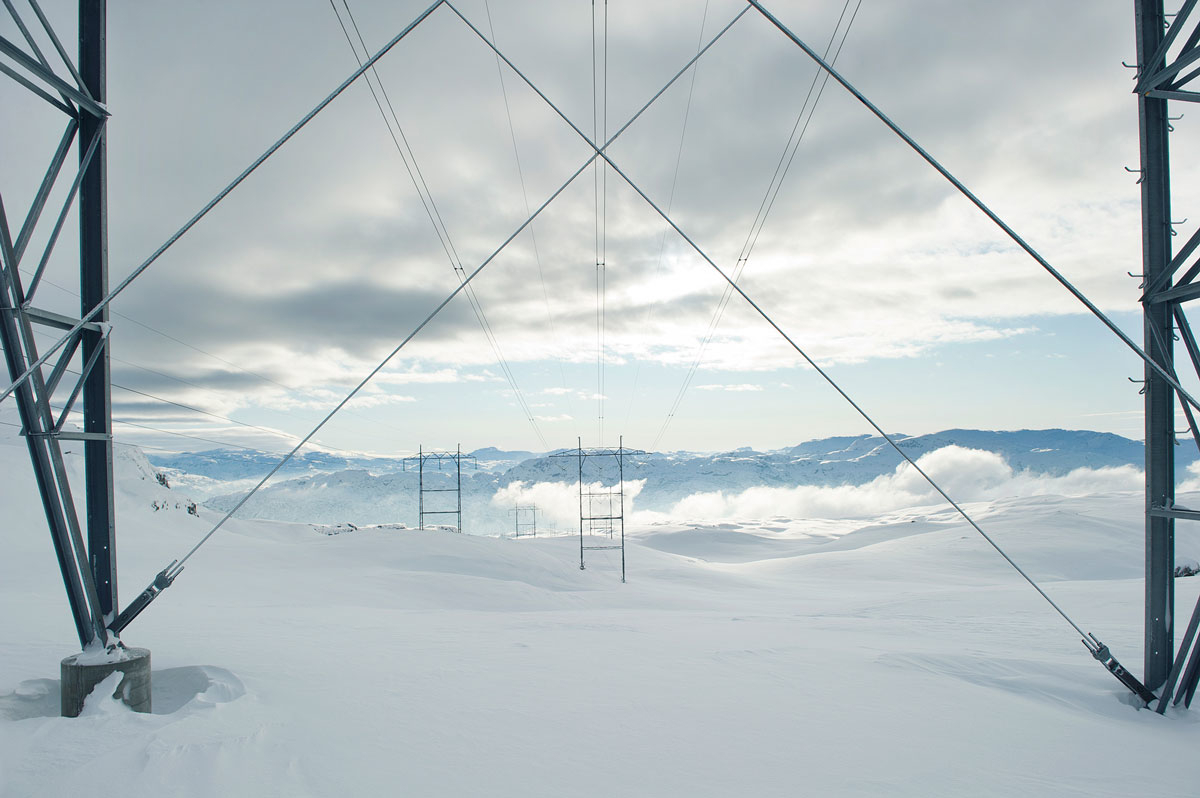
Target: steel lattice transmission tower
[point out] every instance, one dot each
(1167, 56)
(75, 88)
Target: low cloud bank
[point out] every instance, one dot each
(965, 474)
(558, 502)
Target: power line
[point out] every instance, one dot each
(525, 196)
(168, 575)
(604, 243)
(1093, 645)
(230, 363)
(662, 244)
(221, 195)
(184, 435)
(600, 189)
(764, 209)
(425, 197)
(192, 409)
(599, 148)
(431, 209)
(596, 205)
(749, 246)
(154, 429)
(174, 569)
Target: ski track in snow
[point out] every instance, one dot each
(773, 656)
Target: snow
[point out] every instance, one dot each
(765, 655)
(98, 654)
(103, 700)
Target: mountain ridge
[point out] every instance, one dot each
(322, 488)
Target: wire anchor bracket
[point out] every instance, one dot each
(1102, 655)
(161, 582)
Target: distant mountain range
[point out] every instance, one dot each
(319, 487)
(836, 460)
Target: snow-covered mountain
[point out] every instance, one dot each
(323, 488)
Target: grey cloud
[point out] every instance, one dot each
(326, 246)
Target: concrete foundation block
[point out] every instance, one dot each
(82, 672)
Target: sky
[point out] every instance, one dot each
(252, 327)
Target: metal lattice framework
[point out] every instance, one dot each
(524, 520)
(606, 520)
(456, 457)
(76, 89)
(1167, 57)
(1166, 68)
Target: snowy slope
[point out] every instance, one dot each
(754, 656)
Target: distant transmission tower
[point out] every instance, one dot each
(611, 500)
(456, 457)
(524, 520)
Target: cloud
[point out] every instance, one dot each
(1192, 483)
(339, 257)
(381, 400)
(325, 258)
(416, 375)
(733, 388)
(558, 502)
(965, 474)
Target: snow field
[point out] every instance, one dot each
(754, 657)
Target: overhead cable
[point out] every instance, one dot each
(172, 571)
(137, 272)
(985, 209)
(537, 256)
(168, 575)
(1089, 640)
(599, 263)
(192, 409)
(662, 242)
(435, 217)
(603, 244)
(218, 358)
(764, 209)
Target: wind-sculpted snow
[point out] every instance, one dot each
(891, 655)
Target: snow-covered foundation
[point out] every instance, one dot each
(82, 672)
